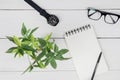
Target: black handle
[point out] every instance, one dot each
(97, 63)
(51, 19)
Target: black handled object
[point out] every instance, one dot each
(99, 57)
(51, 19)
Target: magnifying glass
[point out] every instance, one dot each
(51, 19)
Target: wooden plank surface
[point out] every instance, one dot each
(110, 49)
(68, 75)
(60, 4)
(72, 13)
(110, 75)
(9, 63)
(11, 23)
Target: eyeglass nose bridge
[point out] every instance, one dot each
(103, 14)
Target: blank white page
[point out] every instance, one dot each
(84, 49)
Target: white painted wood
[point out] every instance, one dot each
(11, 23)
(71, 16)
(110, 49)
(60, 4)
(9, 63)
(110, 75)
(67, 75)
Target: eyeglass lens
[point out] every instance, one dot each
(111, 19)
(93, 14)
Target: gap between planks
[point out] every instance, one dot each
(43, 71)
(57, 9)
(97, 38)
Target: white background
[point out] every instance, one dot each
(72, 14)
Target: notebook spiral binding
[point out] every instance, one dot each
(77, 30)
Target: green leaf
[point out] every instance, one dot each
(36, 60)
(25, 42)
(10, 38)
(35, 65)
(19, 52)
(28, 69)
(23, 30)
(40, 56)
(44, 60)
(16, 54)
(47, 61)
(27, 33)
(42, 52)
(41, 65)
(53, 63)
(42, 42)
(11, 50)
(32, 38)
(28, 48)
(56, 48)
(61, 58)
(50, 45)
(33, 30)
(62, 51)
(17, 41)
(31, 68)
(50, 54)
(48, 37)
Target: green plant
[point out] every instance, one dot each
(41, 51)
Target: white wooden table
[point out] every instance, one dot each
(72, 13)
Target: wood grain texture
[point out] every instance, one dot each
(11, 22)
(60, 4)
(9, 63)
(68, 75)
(110, 75)
(110, 49)
(72, 14)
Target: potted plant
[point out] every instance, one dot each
(41, 51)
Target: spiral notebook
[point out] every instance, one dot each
(85, 51)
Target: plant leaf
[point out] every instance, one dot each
(23, 30)
(28, 69)
(53, 63)
(33, 30)
(21, 51)
(55, 48)
(41, 65)
(31, 68)
(25, 42)
(62, 51)
(48, 37)
(28, 48)
(61, 58)
(42, 42)
(50, 45)
(50, 54)
(40, 56)
(10, 38)
(47, 61)
(17, 41)
(41, 51)
(16, 54)
(11, 50)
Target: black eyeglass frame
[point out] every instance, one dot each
(103, 13)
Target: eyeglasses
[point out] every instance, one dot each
(109, 18)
